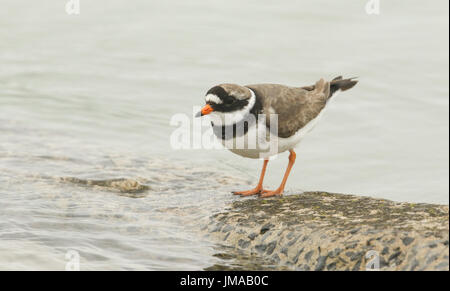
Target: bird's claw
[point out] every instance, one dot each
(255, 191)
(268, 193)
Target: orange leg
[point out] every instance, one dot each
(279, 190)
(259, 188)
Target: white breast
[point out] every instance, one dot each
(282, 144)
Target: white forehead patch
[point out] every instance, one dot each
(213, 98)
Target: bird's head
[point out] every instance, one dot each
(228, 100)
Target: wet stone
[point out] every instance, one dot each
(266, 228)
(432, 245)
(252, 236)
(227, 228)
(276, 259)
(243, 243)
(308, 255)
(334, 253)
(298, 255)
(332, 266)
(353, 231)
(357, 256)
(394, 256)
(320, 263)
(383, 262)
(391, 241)
(407, 240)
(261, 247)
(351, 245)
(217, 228)
(357, 266)
(223, 256)
(349, 254)
(369, 242)
(240, 231)
(293, 241)
(266, 235)
(271, 247)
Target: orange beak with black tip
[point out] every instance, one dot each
(207, 109)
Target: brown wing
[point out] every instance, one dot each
(295, 106)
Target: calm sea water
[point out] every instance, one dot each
(86, 102)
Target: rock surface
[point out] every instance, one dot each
(323, 231)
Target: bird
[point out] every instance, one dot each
(250, 107)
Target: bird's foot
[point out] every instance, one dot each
(254, 191)
(268, 193)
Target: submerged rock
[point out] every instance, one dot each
(121, 184)
(323, 231)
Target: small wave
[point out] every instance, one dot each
(122, 185)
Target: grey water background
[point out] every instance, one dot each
(86, 102)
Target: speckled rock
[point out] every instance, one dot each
(323, 231)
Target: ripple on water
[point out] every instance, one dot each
(151, 221)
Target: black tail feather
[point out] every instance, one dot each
(339, 83)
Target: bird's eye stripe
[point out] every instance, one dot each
(213, 98)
